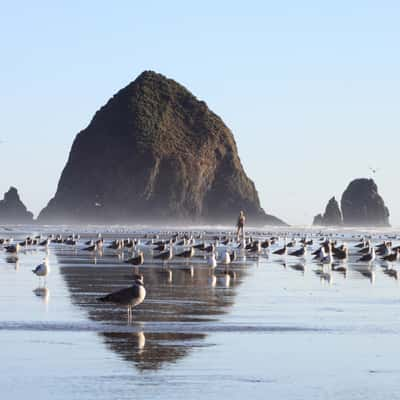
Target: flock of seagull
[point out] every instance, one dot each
(215, 250)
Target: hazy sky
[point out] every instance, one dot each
(310, 89)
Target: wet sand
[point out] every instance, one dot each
(279, 329)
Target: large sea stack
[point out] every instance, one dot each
(363, 206)
(155, 153)
(332, 215)
(13, 210)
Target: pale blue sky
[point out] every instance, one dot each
(311, 90)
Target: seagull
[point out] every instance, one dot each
(165, 256)
(186, 254)
(129, 297)
(319, 254)
(282, 251)
(265, 244)
(392, 257)
(200, 246)
(210, 248)
(233, 256)
(128, 243)
(362, 243)
(341, 253)
(328, 259)
(13, 248)
(93, 247)
(255, 248)
(45, 242)
(299, 253)
(368, 257)
(138, 260)
(373, 170)
(115, 245)
(161, 247)
(42, 270)
(384, 250)
(226, 258)
(365, 250)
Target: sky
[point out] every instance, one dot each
(310, 89)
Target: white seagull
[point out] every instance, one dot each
(42, 270)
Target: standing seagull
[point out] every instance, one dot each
(42, 270)
(226, 258)
(187, 254)
(138, 260)
(129, 297)
(370, 257)
(165, 256)
(282, 251)
(12, 248)
(299, 253)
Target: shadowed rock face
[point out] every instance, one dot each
(363, 206)
(12, 210)
(332, 215)
(318, 220)
(155, 153)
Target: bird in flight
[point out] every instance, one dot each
(373, 170)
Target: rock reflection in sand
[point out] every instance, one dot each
(151, 350)
(178, 293)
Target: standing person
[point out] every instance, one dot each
(240, 225)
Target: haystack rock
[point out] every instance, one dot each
(155, 153)
(363, 206)
(332, 215)
(12, 210)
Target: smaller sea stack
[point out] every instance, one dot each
(332, 215)
(13, 210)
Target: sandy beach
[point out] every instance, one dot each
(279, 325)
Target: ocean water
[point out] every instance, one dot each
(283, 328)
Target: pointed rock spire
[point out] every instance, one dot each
(332, 215)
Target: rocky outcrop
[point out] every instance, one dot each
(155, 152)
(332, 215)
(12, 210)
(318, 220)
(363, 206)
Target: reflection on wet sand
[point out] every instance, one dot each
(182, 293)
(13, 260)
(43, 293)
(151, 350)
(178, 294)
